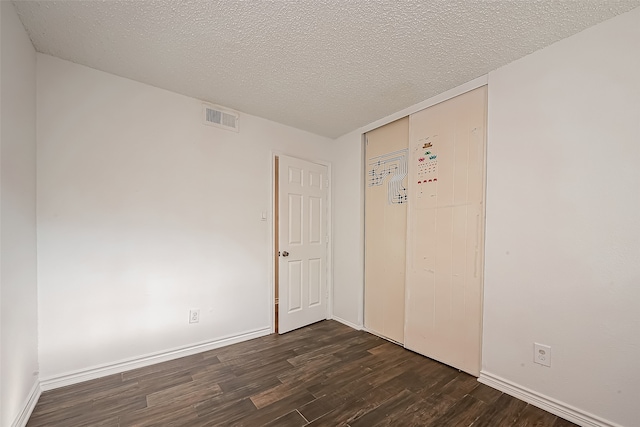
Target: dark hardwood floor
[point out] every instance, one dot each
(326, 374)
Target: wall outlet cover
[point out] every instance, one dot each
(542, 354)
(194, 315)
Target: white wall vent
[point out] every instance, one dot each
(214, 115)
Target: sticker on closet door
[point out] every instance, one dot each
(427, 169)
(427, 161)
(394, 166)
(426, 172)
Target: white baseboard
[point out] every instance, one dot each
(547, 403)
(346, 322)
(146, 360)
(30, 403)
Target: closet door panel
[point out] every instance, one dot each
(385, 229)
(445, 231)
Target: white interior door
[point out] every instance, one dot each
(445, 231)
(303, 241)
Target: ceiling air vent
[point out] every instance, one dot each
(219, 117)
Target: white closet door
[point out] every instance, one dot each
(446, 231)
(385, 229)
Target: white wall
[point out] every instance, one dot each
(18, 289)
(563, 229)
(144, 213)
(348, 229)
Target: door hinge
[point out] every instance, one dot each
(326, 183)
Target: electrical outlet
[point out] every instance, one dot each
(542, 354)
(194, 315)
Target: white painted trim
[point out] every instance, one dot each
(272, 237)
(361, 249)
(29, 404)
(146, 360)
(542, 401)
(346, 322)
(451, 93)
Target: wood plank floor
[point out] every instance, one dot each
(326, 374)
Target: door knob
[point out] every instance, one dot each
(285, 253)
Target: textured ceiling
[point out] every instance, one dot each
(326, 66)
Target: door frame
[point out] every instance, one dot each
(274, 238)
